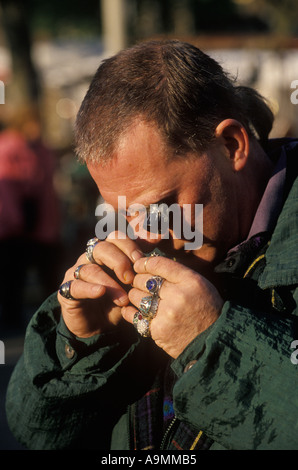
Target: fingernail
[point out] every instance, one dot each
(137, 254)
(128, 277)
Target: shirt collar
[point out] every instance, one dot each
(270, 206)
(271, 203)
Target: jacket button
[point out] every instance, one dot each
(231, 262)
(189, 366)
(69, 351)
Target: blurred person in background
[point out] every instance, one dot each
(190, 349)
(29, 214)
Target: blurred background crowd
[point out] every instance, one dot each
(49, 51)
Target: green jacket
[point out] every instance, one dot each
(235, 386)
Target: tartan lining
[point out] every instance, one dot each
(153, 415)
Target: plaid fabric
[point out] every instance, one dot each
(186, 437)
(155, 424)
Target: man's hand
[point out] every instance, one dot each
(188, 304)
(100, 291)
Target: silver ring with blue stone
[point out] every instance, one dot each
(154, 284)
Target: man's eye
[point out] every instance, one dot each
(157, 219)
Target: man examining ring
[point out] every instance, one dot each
(189, 349)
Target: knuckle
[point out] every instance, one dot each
(180, 298)
(195, 283)
(158, 260)
(172, 314)
(155, 262)
(116, 235)
(81, 259)
(89, 271)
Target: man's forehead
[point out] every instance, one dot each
(138, 167)
(135, 187)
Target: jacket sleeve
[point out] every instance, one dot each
(67, 393)
(242, 386)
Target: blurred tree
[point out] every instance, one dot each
(280, 16)
(23, 89)
(67, 18)
(24, 21)
(187, 17)
(223, 16)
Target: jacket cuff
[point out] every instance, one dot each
(99, 352)
(191, 354)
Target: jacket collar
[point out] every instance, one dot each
(282, 256)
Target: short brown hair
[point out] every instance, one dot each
(173, 84)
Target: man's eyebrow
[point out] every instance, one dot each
(164, 200)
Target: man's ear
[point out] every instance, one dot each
(236, 141)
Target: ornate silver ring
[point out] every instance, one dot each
(148, 306)
(76, 273)
(142, 325)
(89, 249)
(64, 290)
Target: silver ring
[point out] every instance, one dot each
(142, 325)
(148, 306)
(64, 290)
(154, 284)
(145, 305)
(154, 306)
(76, 273)
(89, 249)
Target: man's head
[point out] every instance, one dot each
(183, 91)
(161, 122)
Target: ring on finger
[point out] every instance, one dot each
(76, 273)
(142, 325)
(64, 290)
(89, 249)
(145, 305)
(148, 257)
(154, 306)
(154, 284)
(148, 306)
